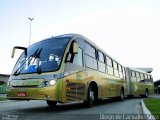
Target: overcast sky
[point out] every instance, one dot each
(128, 30)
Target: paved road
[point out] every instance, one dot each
(38, 110)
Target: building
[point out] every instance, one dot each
(4, 78)
(3, 83)
(157, 86)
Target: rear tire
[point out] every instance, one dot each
(121, 97)
(146, 93)
(51, 103)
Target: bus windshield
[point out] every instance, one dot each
(44, 56)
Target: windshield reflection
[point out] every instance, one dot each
(43, 56)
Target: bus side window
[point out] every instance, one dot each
(148, 79)
(109, 65)
(115, 66)
(120, 71)
(78, 58)
(141, 77)
(90, 56)
(133, 74)
(101, 64)
(145, 78)
(138, 76)
(100, 56)
(124, 73)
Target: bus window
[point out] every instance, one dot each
(101, 64)
(123, 70)
(120, 67)
(124, 73)
(142, 76)
(137, 75)
(148, 78)
(109, 65)
(145, 76)
(109, 61)
(100, 56)
(78, 58)
(133, 74)
(89, 50)
(120, 71)
(115, 66)
(90, 56)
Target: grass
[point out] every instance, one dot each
(153, 105)
(3, 98)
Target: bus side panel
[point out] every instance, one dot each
(74, 86)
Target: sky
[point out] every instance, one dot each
(128, 30)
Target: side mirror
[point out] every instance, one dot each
(18, 47)
(75, 47)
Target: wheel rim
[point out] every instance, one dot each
(91, 94)
(146, 94)
(122, 96)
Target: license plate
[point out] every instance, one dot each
(21, 94)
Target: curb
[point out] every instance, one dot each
(146, 112)
(5, 101)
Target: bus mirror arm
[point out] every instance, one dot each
(18, 47)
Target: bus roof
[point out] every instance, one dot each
(137, 70)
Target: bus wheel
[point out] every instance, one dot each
(90, 101)
(51, 103)
(146, 93)
(121, 97)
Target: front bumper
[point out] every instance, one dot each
(43, 93)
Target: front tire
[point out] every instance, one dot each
(91, 98)
(51, 103)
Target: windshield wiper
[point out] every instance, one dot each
(36, 54)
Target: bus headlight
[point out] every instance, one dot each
(52, 82)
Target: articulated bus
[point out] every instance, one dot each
(69, 68)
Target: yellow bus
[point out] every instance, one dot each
(66, 68)
(140, 83)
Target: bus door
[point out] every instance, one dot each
(74, 86)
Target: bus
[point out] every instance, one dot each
(67, 68)
(140, 83)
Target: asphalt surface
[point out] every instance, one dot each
(39, 110)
